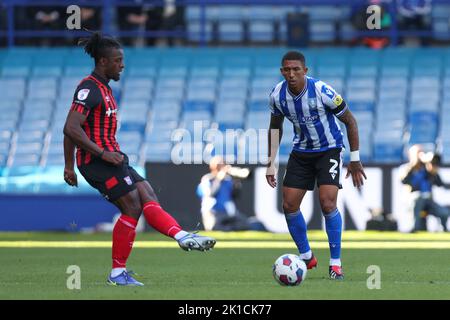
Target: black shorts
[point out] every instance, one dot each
(304, 168)
(111, 181)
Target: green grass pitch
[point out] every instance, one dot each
(413, 266)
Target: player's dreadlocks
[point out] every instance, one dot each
(97, 46)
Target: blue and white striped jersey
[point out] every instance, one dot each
(313, 114)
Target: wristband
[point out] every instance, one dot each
(101, 153)
(354, 156)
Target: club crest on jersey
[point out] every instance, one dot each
(83, 94)
(283, 103)
(312, 102)
(128, 180)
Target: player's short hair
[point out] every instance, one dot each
(294, 55)
(97, 45)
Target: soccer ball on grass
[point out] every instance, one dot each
(289, 270)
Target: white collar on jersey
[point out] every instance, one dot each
(296, 97)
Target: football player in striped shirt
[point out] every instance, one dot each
(313, 107)
(91, 126)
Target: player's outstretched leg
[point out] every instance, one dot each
(333, 226)
(297, 228)
(193, 241)
(124, 234)
(163, 222)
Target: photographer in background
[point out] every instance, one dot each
(422, 174)
(217, 191)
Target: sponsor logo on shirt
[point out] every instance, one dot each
(310, 119)
(110, 112)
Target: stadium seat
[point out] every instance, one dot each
(261, 31)
(388, 152)
(24, 160)
(397, 94)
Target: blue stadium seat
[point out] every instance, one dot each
(155, 152)
(363, 71)
(235, 94)
(361, 82)
(364, 95)
(15, 71)
(330, 71)
(78, 71)
(12, 89)
(194, 94)
(408, 96)
(261, 31)
(232, 13)
(207, 71)
(196, 32)
(322, 31)
(163, 135)
(26, 160)
(203, 83)
(388, 152)
(177, 94)
(258, 106)
(32, 125)
(27, 148)
(148, 71)
(46, 71)
(361, 105)
(55, 160)
(132, 94)
(198, 105)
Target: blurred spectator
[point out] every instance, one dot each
(3, 25)
(139, 17)
(173, 20)
(359, 18)
(422, 174)
(414, 15)
(90, 20)
(218, 190)
(47, 18)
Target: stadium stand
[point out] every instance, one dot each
(395, 104)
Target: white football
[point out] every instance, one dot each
(289, 270)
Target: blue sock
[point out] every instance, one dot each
(297, 228)
(333, 226)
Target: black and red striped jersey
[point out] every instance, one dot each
(94, 98)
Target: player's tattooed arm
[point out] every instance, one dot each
(355, 168)
(274, 138)
(352, 129)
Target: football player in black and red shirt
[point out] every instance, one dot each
(91, 127)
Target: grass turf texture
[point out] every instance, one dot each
(238, 268)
